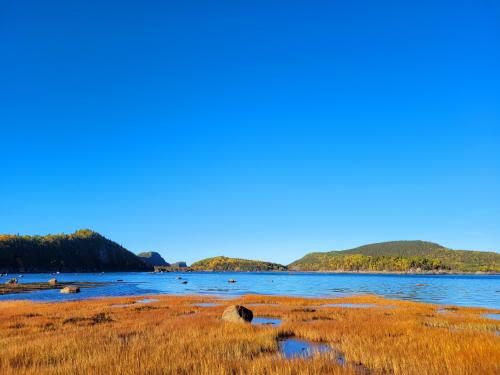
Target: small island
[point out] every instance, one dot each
(222, 263)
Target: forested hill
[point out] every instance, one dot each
(82, 251)
(222, 263)
(400, 256)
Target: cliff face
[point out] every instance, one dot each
(82, 251)
(153, 259)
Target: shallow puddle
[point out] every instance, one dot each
(121, 305)
(350, 305)
(261, 321)
(294, 348)
(148, 300)
(492, 316)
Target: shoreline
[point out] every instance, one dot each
(187, 270)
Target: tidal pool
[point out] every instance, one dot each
(492, 316)
(294, 348)
(266, 321)
(148, 300)
(350, 305)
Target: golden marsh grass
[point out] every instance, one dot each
(172, 336)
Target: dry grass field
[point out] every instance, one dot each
(172, 336)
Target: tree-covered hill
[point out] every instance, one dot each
(82, 251)
(222, 263)
(400, 256)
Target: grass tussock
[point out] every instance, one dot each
(173, 336)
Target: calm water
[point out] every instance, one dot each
(473, 290)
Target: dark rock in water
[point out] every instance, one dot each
(237, 314)
(53, 281)
(184, 282)
(70, 289)
(119, 280)
(153, 258)
(178, 277)
(231, 281)
(12, 281)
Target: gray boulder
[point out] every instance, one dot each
(70, 289)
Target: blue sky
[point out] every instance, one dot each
(261, 129)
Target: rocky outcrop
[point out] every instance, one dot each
(179, 265)
(70, 289)
(52, 281)
(153, 259)
(237, 314)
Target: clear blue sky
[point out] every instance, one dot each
(258, 129)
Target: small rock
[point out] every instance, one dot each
(231, 281)
(70, 289)
(178, 277)
(237, 314)
(53, 281)
(184, 282)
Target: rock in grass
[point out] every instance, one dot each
(70, 289)
(237, 314)
(53, 281)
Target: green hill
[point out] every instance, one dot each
(82, 251)
(222, 263)
(400, 256)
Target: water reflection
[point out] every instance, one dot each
(294, 348)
